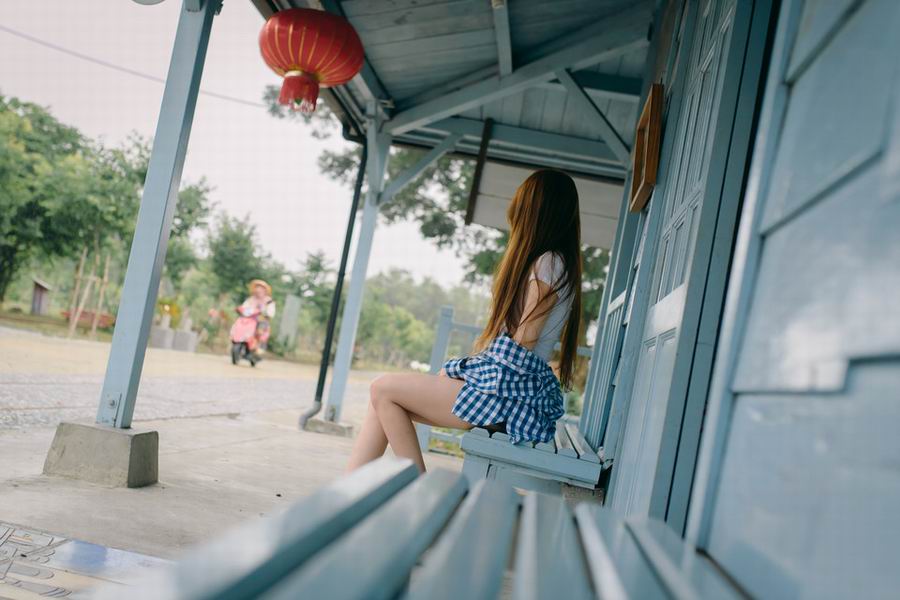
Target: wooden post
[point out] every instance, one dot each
(102, 294)
(73, 323)
(78, 273)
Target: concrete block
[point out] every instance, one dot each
(185, 341)
(161, 337)
(329, 427)
(104, 455)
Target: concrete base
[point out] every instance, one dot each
(186, 341)
(104, 455)
(330, 427)
(161, 337)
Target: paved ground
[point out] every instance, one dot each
(229, 446)
(45, 380)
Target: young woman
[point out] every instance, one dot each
(508, 383)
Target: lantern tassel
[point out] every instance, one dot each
(300, 90)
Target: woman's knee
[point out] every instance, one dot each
(379, 391)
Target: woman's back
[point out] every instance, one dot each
(550, 269)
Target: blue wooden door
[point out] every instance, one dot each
(601, 419)
(690, 220)
(798, 486)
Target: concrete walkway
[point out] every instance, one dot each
(230, 449)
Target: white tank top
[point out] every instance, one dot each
(549, 268)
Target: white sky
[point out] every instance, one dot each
(257, 164)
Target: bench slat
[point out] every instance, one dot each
(374, 559)
(684, 572)
(563, 444)
(500, 437)
(471, 557)
(616, 563)
(581, 446)
(645, 559)
(249, 559)
(553, 464)
(549, 561)
(546, 447)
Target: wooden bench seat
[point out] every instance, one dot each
(569, 459)
(382, 532)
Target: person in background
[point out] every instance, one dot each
(260, 302)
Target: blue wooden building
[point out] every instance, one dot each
(744, 383)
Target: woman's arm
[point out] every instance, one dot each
(539, 300)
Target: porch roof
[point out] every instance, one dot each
(559, 81)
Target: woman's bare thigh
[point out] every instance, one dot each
(428, 398)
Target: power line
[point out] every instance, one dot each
(120, 68)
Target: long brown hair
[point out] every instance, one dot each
(543, 217)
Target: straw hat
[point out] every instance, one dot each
(257, 282)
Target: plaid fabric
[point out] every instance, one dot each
(507, 383)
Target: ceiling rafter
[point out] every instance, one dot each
(611, 37)
(504, 41)
(367, 81)
(607, 131)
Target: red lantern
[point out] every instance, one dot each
(309, 48)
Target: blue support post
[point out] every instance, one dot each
(151, 236)
(378, 146)
(441, 339)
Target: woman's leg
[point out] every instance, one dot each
(401, 398)
(370, 443)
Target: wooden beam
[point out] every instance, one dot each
(367, 81)
(606, 39)
(479, 169)
(521, 137)
(404, 178)
(604, 86)
(504, 42)
(607, 131)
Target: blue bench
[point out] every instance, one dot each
(383, 532)
(567, 461)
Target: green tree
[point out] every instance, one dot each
(58, 192)
(314, 283)
(191, 214)
(235, 256)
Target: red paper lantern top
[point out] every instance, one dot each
(309, 48)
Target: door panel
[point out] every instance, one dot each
(804, 501)
(687, 191)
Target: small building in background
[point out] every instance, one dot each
(40, 297)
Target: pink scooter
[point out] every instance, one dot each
(249, 335)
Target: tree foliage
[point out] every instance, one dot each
(235, 256)
(58, 191)
(315, 286)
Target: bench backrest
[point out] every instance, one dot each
(381, 532)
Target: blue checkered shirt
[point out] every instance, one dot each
(507, 383)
